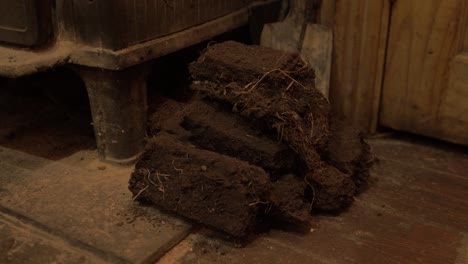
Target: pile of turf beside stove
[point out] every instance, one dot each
(256, 142)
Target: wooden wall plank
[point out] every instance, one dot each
(327, 13)
(360, 35)
(425, 88)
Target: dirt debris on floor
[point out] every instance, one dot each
(255, 142)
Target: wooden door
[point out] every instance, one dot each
(425, 86)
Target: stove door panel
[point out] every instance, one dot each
(25, 22)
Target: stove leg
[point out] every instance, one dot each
(118, 102)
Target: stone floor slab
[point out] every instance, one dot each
(88, 204)
(22, 243)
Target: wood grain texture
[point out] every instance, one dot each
(326, 15)
(426, 78)
(410, 214)
(360, 34)
(117, 24)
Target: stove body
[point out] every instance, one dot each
(108, 43)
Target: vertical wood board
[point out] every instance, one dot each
(426, 75)
(360, 35)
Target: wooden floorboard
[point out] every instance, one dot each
(415, 211)
(423, 153)
(424, 194)
(370, 235)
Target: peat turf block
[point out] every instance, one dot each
(219, 191)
